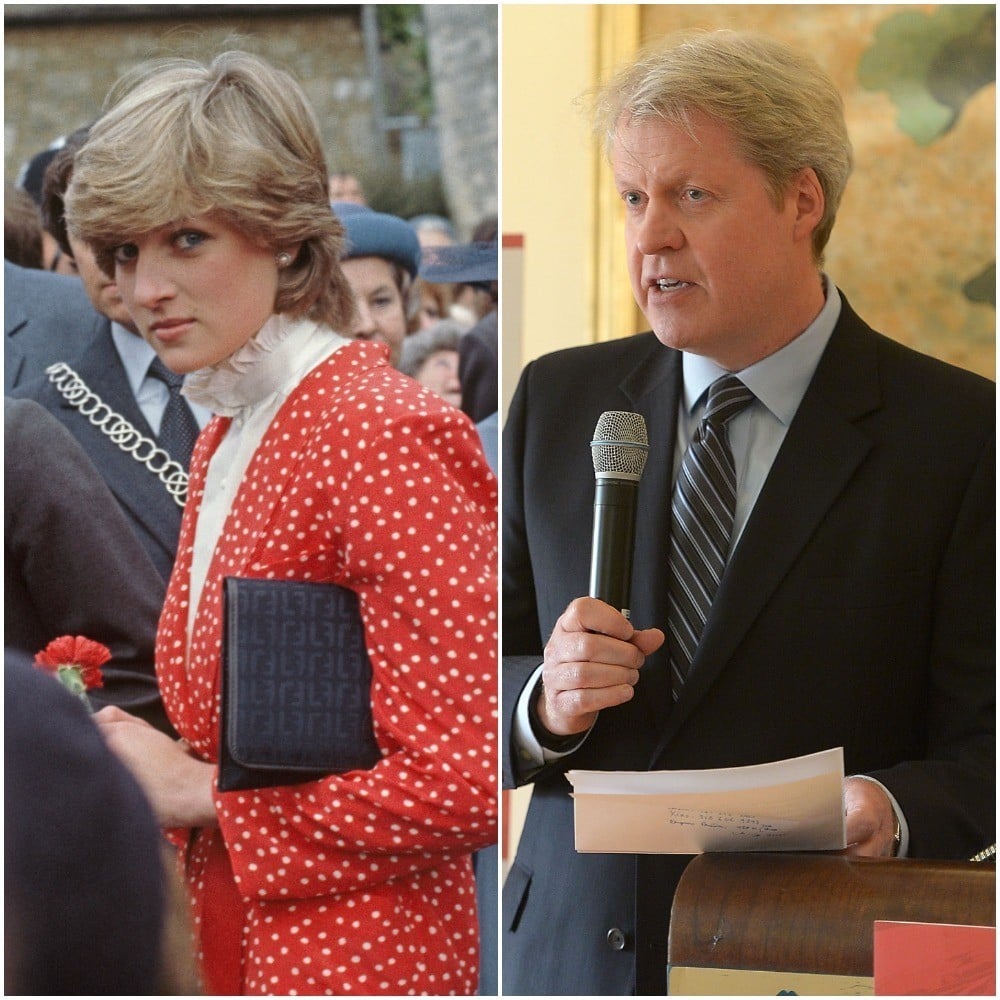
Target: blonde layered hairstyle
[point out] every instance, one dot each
(237, 139)
(783, 110)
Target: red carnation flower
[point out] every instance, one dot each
(76, 661)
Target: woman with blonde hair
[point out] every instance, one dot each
(203, 190)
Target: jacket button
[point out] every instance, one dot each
(616, 939)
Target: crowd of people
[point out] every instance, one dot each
(220, 361)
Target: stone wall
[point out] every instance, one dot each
(57, 73)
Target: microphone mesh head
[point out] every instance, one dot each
(620, 445)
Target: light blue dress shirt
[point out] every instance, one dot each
(778, 382)
(151, 394)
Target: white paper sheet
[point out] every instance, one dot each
(788, 805)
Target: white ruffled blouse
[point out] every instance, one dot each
(249, 386)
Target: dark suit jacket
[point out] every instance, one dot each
(72, 565)
(46, 317)
(856, 611)
(153, 513)
(479, 368)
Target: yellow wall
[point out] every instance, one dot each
(556, 190)
(546, 61)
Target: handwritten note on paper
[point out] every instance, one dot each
(789, 805)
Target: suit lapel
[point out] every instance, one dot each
(13, 365)
(101, 368)
(135, 486)
(798, 492)
(653, 388)
(15, 317)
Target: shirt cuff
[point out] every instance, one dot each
(529, 753)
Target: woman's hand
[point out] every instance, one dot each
(178, 785)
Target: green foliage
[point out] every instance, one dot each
(399, 23)
(386, 191)
(403, 47)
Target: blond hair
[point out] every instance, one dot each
(235, 138)
(783, 110)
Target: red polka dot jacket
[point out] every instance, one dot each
(359, 883)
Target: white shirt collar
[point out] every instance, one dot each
(272, 361)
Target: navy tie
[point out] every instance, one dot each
(178, 428)
(704, 506)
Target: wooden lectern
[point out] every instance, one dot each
(803, 923)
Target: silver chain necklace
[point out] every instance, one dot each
(122, 433)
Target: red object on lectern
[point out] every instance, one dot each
(921, 959)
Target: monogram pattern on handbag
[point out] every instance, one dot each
(296, 702)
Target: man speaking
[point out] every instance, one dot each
(814, 532)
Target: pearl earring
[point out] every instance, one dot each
(283, 259)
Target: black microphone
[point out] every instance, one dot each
(619, 451)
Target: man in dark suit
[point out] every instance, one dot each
(46, 317)
(71, 564)
(856, 605)
(153, 511)
(113, 380)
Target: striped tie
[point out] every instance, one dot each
(702, 522)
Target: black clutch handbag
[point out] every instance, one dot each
(296, 683)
